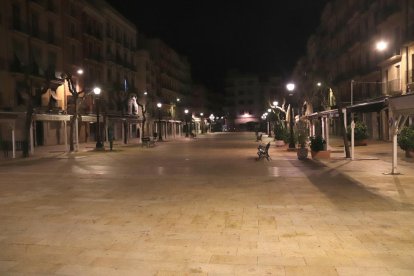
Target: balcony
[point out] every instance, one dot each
(19, 26)
(393, 87)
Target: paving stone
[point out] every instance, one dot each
(205, 207)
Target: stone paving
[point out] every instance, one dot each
(204, 206)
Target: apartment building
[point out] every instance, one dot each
(248, 96)
(166, 76)
(362, 52)
(43, 40)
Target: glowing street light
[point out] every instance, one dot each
(159, 105)
(291, 87)
(381, 45)
(186, 122)
(99, 145)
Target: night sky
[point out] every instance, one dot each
(251, 36)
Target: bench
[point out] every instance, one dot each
(146, 141)
(263, 152)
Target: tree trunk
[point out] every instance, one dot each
(72, 125)
(143, 126)
(28, 123)
(344, 134)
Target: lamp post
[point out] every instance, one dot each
(159, 122)
(202, 122)
(269, 129)
(291, 87)
(99, 145)
(186, 122)
(211, 117)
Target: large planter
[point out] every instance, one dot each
(322, 154)
(302, 153)
(279, 143)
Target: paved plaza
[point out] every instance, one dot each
(205, 206)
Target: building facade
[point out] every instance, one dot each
(45, 41)
(362, 53)
(248, 96)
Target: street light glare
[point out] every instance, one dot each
(97, 91)
(319, 84)
(80, 71)
(275, 103)
(381, 45)
(186, 111)
(269, 110)
(159, 105)
(290, 86)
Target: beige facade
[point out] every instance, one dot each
(248, 97)
(342, 55)
(172, 71)
(166, 77)
(42, 40)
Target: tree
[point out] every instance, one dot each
(76, 116)
(144, 117)
(31, 100)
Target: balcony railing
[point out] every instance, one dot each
(393, 87)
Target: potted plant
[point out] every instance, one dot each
(406, 140)
(280, 133)
(360, 133)
(302, 137)
(318, 148)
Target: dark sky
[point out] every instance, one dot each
(252, 36)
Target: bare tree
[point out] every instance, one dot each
(76, 99)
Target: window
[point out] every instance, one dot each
(16, 16)
(72, 30)
(72, 10)
(51, 59)
(51, 32)
(73, 54)
(109, 74)
(35, 24)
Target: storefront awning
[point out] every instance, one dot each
(402, 105)
(372, 106)
(327, 113)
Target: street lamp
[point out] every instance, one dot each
(159, 122)
(269, 131)
(99, 145)
(186, 122)
(211, 117)
(202, 122)
(291, 87)
(381, 45)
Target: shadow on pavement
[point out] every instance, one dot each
(346, 192)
